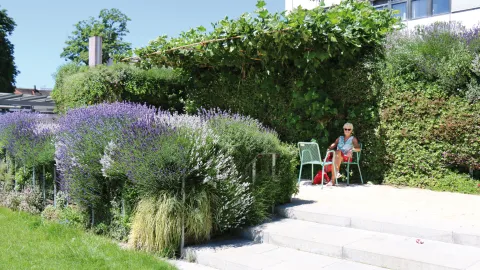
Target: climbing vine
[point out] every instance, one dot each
(276, 66)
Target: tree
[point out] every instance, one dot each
(111, 25)
(8, 70)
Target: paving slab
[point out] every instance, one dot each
(398, 252)
(474, 267)
(311, 237)
(249, 255)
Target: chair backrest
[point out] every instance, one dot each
(358, 154)
(309, 152)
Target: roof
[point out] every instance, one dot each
(33, 91)
(40, 102)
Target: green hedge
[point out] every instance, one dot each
(77, 85)
(430, 117)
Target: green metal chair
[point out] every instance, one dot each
(355, 161)
(310, 155)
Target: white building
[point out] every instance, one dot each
(415, 12)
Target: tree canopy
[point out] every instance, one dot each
(8, 70)
(111, 25)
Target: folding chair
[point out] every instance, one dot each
(354, 161)
(310, 155)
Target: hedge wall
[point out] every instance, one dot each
(430, 114)
(77, 85)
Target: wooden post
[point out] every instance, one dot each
(54, 186)
(254, 170)
(43, 183)
(123, 207)
(93, 216)
(33, 177)
(15, 174)
(274, 161)
(182, 240)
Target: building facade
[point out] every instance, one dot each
(415, 12)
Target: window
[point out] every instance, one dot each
(419, 9)
(402, 8)
(440, 7)
(414, 9)
(380, 4)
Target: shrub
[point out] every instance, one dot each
(28, 137)
(83, 135)
(120, 224)
(51, 213)
(68, 215)
(182, 148)
(157, 152)
(429, 113)
(77, 86)
(28, 200)
(74, 216)
(245, 138)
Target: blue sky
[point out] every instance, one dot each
(43, 26)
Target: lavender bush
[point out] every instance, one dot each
(133, 153)
(160, 150)
(82, 137)
(28, 137)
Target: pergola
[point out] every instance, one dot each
(13, 102)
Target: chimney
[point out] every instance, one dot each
(95, 51)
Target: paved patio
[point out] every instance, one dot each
(420, 207)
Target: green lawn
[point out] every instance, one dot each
(28, 243)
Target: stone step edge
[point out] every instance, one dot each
(447, 236)
(257, 235)
(206, 257)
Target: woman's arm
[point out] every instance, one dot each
(333, 145)
(356, 145)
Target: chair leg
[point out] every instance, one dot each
(361, 178)
(323, 172)
(348, 174)
(300, 174)
(312, 172)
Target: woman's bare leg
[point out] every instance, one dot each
(338, 160)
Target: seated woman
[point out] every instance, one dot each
(345, 146)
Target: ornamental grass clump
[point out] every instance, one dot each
(157, 224)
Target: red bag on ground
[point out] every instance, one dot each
(318, 178)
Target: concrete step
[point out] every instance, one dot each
(183, 265)
(368, 247)
(246, 255)
(448, 231)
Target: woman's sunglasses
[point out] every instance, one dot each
(347, 129)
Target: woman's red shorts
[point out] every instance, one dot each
(345, 158)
